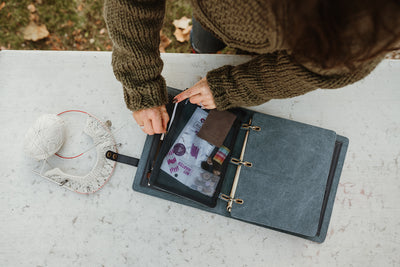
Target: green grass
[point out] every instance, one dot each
(13, 17)
(79, 25)
(74, 25)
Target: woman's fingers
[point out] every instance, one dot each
(201, 87)
(197, 99)
(152, 120)
(205, 101)
(148, 127)
(200, 94)
(157, 125)
(209, 105)
(165, 119)
(139, 120)
(187, 94)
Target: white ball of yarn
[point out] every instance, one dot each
(45, 137)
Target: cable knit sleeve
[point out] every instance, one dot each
(134, 27)
(273, 76)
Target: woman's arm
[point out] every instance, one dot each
(134, 27)
(273, 76)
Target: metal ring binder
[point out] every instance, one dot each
(239, 162)
(236, 179)
(251, 127)
(228, 198)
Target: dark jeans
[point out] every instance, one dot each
(203, 41)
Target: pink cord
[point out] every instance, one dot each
(84, 112)
(73, 157)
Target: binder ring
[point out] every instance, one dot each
(228, 198)
(239, 162)
(250, 127)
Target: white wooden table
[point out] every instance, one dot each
(44, 225)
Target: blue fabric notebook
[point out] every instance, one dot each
(289, 184)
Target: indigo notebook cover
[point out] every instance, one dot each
(290, 185)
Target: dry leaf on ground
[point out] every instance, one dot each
(32, 8)
(183, 35)
(182, 23)
(35, 32)
(2, 5)
(182, 29)
(164, 42)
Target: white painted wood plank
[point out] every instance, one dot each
(43, 225)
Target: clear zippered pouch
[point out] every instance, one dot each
(181, 165)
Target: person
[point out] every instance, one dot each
(299, 45)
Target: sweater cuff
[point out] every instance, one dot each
(147, 95)
(221, 84)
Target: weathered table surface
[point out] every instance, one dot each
(44, 225)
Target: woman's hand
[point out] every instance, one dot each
(152, 120)
(155, 120)
(200, 94)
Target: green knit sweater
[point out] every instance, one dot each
(134, 27)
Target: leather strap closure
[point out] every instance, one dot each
(122, 158)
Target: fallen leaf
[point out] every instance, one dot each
(2, 5)
(103, 31)
(182, 23)
(183, 35)
(182, 29)
(32, 8)
(80, 7)
(187, 30)
(35, 32)
(164, 42)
